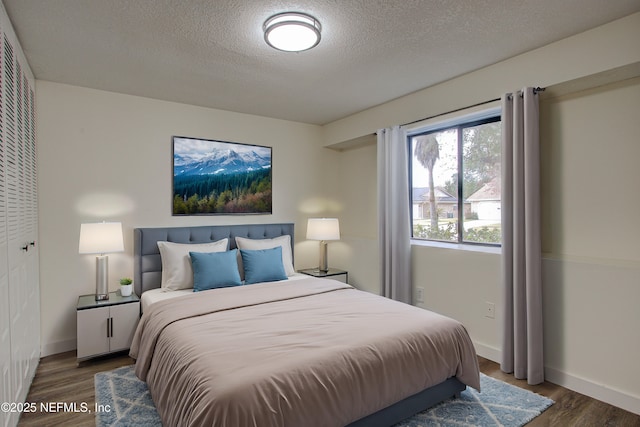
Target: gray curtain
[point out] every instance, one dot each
(394, 228)
(522, 351)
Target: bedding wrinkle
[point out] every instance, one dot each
(305, 353)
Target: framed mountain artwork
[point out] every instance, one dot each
(220, 178)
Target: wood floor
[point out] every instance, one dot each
(60, 379)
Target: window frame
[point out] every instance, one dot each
(491, 115)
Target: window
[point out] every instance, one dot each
(455, 181)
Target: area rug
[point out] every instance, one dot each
(126, 401)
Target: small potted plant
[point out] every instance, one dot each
(126, 286)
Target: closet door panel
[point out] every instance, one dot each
(18, 186)
(29, 223)
(19, 271)
(13, 218)
(5, 329)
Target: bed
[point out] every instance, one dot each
(301, 351)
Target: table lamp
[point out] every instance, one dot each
(323, 229)
(101, 238)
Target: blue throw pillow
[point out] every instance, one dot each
(263, 265)
(213, 270)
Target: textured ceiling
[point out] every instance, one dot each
(212, 53)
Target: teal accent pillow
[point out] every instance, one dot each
(213, 270)
(263, 265)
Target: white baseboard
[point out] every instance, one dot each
(49, 349)
(597, 391)
(600, 392)
(488, 352)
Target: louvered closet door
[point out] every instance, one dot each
(30, 219)
(5, 336)
(19, 285)
(27, 221)
(15, 253)
(21, 222)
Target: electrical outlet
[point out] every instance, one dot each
(490, 310)
(420, 294)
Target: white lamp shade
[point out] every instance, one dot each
(323, 229)
(101, 238)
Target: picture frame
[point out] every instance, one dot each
(212, 177)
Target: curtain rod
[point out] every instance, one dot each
(535, 92)
(452, 111)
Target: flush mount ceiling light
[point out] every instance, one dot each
(292, 31)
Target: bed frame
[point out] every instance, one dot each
(148, 274)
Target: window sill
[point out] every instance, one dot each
(457, 246)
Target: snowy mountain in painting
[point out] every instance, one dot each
(220, 162)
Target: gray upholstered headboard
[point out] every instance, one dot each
(147, 269)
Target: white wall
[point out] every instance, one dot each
(357, 249)
(107, 156)
(590, 174)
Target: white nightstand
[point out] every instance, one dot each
(106, 326)
(333, 273)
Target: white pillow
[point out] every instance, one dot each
(254, 244)
(176, 263)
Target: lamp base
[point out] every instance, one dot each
(322, 264)
(102, 278)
